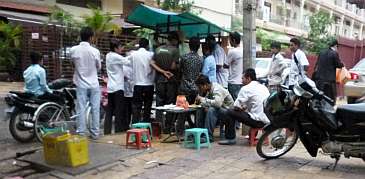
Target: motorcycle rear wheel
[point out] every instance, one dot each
(48, 119)
(280, 140)
(14, 127)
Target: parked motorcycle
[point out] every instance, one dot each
(23, 105)
(306, 113)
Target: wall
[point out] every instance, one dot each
(215, 11)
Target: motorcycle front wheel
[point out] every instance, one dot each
(276, 142)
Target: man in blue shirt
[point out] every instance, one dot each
(209, 65)
(35, 80)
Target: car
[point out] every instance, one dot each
(262, 68)
(355, 87)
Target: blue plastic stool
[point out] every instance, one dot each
(143, 125)
(197, 133)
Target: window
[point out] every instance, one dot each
(288, 1)
(80, 3)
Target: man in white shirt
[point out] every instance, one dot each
(114, 68)
(87, 63)
(143, 78)
(248, 107)
(277, 67)
(235, 64)
(299, 64)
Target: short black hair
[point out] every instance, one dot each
(202, 80)
(295, 41)
(236, 37)
(143, 43)
(173, 36)
(194, 44)
(210, 39)
(276, 45)
(250, 73)
(333, 43)
(35, 57)
(114, 43)
(208, 46)
(86, 33)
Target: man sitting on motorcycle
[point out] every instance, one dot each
(248, 107)
(35, 80)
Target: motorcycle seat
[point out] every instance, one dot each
(351, 114)
(28, 97)
(21, 94)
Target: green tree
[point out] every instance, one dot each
(63, 18)
(10, 36)
(265, 38)
(176, 5)
(319, 34)
(237, 24)
(100, 22)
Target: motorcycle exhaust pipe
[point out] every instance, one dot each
(28, 124)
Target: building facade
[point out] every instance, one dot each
(292, 16)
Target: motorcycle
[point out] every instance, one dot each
(22, 107)
(306, 113)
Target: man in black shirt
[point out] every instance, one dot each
(325, 70)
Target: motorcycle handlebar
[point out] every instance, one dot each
(328, 99)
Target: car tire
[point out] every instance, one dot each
(351, 100)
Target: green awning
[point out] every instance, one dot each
(164, 21)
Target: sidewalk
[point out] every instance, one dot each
(237, 161)
(5, 87)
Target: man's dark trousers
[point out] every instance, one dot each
(240, 116)
(142, 96)
(115, 107)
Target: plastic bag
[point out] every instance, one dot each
(342, 75)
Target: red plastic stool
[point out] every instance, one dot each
(252, 136)
(138, 143)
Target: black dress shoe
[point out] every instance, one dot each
(227, 142)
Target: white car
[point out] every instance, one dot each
(262, 68)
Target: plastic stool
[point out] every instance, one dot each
(253, 134)
(139, 133)
(196, 132)
(143, 125)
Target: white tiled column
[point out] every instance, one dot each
(352, 28)
(361, 32)
(341, 25)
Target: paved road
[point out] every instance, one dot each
(8, 145)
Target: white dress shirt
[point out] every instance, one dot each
(87, 63)
(295, 68)
(251, 97)
(235, 63)
(114, 68)
(143, 73)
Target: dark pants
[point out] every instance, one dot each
(234, 89)
(142, 96)
(127, 115)
(166, 93)
(328, 88)
(240, 116)
(115, 107)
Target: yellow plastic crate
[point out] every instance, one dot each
(75, 151)
(50, 146)
(65, 149)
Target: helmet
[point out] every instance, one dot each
(278, 104)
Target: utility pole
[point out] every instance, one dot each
(249, 33)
